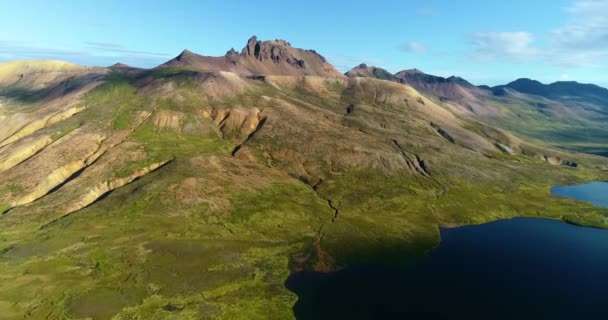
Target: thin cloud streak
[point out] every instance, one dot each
(414, 47)
(344, 62)
(105, 45)
(92, 54)
(512, 46)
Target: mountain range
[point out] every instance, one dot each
(565, 114)
(193, 189)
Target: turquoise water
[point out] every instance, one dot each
(508, 269)
(594, 192)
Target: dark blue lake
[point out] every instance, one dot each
(602, 153)
(508, 269)
(594, 192)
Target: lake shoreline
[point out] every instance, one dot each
(514, 260)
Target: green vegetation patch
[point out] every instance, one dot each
(4, 207)
(14, 189)
(102, 303)
(182, 267)
(117, 100)
(169, 144)
(291, 211)
(335, 86)
(65, 129)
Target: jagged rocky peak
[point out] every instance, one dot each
(273, 57)
(185, 54)
(276, 51)
(232, 56)
(250, 48)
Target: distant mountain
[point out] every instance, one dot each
(119, 65)
(415, 77)
(522, 105)
(363, 70)
(557, 90)
(451, 88)
(524, 85)
(276, 57)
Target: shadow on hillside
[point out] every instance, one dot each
(22, 94)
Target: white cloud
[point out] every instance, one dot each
(586, 28)
(414, 47)
(582, 41)
(565, 76)
(513, 46)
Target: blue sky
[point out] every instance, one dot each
(486, 42)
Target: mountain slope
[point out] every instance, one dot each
(452, 88)
(191, 192)
(564, 114)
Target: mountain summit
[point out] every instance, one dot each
(363, 70)
(274, 57)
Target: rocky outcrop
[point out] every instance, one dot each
(274, 57)
(276, 51)
(54, 178)
(237, 120)
(168, 119)
(41, 166)
(444, 134)
(46, 170)
(505, 149)
(413, 161)
(97, 191)
(14, 154)
(40, 123)
(557, 161)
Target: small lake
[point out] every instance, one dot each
(594, 192)
(509, 269)
(603, 153)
